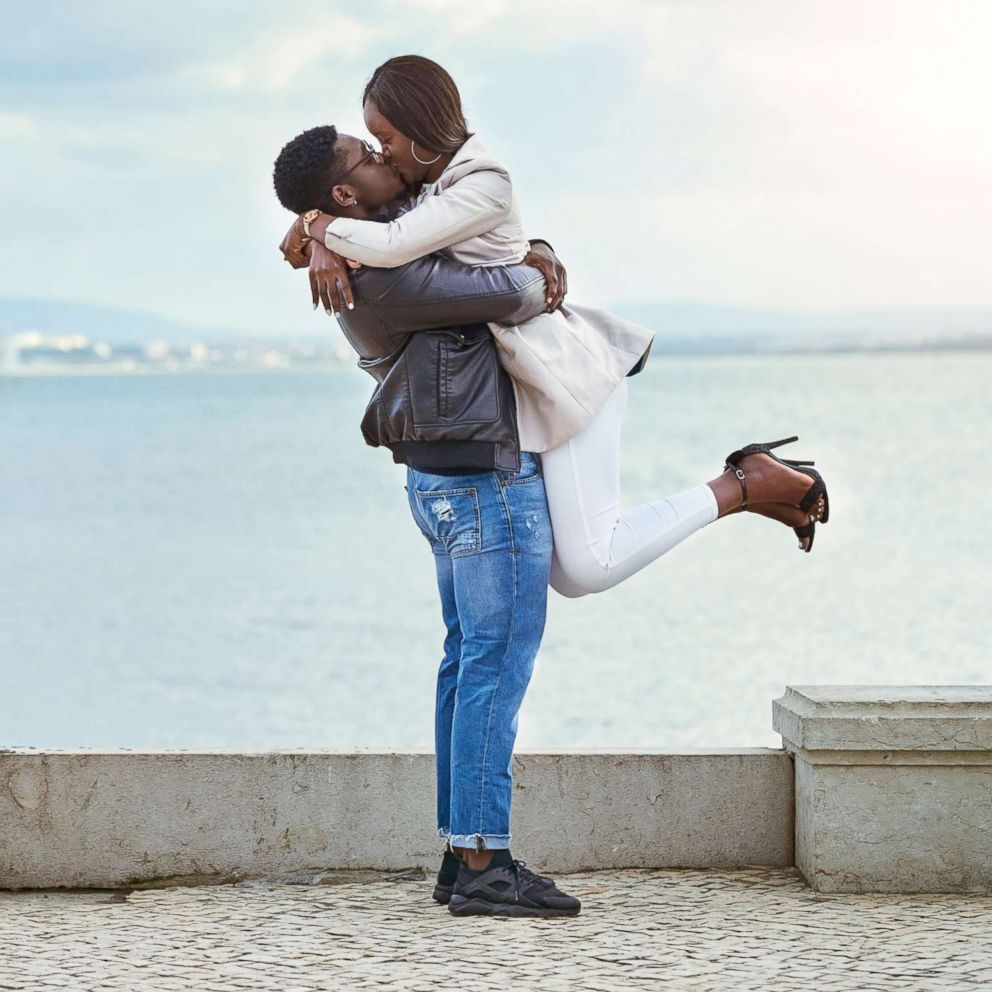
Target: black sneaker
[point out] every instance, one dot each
(450, 864)
(508, 888)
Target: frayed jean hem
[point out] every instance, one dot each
(480, 842)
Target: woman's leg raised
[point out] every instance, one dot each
(597, 545)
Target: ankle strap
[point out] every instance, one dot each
(742, 479)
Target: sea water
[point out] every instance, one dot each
(219, 560)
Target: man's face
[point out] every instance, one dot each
(364, 170)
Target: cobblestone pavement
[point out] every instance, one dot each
(721, 930)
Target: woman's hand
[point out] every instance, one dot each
(542, 258)
(329, 281)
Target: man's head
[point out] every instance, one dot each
(336, 173)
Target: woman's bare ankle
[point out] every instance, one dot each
(727, 491)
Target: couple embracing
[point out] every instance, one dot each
(506, 406)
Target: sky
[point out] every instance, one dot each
(768, 153)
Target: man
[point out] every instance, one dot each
(445, 408)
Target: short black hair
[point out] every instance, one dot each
(305, 168)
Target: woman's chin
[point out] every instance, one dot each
(407, 177)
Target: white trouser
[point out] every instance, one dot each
(596, 545)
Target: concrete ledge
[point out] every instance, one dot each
(886, 718)
(93, 818)
(893, 786)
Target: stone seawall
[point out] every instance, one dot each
(876, 789)
(106, 818)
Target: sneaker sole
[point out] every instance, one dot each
(460, 906)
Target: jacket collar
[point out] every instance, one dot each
(473, 148)
(473, 151)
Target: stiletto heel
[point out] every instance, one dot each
(817, 490)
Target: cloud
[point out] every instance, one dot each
(17, 127)
(779, 151)
(550, 25)
(277, 62)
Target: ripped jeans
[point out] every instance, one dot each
(492, 543)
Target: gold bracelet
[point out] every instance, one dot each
(308, 218)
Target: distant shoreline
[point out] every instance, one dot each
(68, 370)
(79, 371)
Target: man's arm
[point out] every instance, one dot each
(436, 292)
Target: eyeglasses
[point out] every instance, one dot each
(370, 153)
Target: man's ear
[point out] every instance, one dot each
(344, 196)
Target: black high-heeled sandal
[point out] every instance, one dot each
(810, 497)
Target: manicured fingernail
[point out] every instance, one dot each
(327, 311)
(351, 306)
(315, 306)
(336, 314)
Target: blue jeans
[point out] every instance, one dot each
(492, 543)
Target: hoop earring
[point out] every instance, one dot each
(420, 160)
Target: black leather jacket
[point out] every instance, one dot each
(442, 397)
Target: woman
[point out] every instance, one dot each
(569, 366)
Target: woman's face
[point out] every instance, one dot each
(396, 146)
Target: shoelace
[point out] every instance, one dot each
(526, 875)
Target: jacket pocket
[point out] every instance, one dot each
(453, 381)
